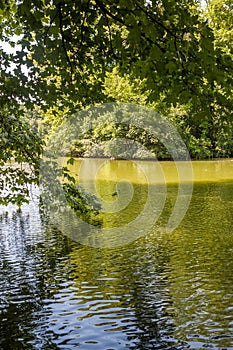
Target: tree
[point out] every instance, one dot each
(219, 15)
(167, 44)
(69, 47)
(73, 44)
(19, 143)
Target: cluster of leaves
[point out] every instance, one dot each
(85, 204)
(119, 130)
(119, 141)
(204, 138)
(20, 145)
(72, 46)
(20, 156)
(205, 135)
(60, 190)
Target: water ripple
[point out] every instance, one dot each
(165, 291)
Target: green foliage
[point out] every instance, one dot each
(169, 55)
(19, 161)
(73, 45)
(83, 203)
(20, 146)
(59, 190)
(116, 130)
(220, 16)
(124, 89)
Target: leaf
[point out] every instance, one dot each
(171, 67)
(70, 161)
(155, 52)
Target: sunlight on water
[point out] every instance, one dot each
(140, 172)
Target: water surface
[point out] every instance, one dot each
(162, 291)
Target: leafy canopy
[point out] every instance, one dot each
(180, 52)
(71, 45)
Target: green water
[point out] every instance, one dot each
(164, 290)
(139, 172)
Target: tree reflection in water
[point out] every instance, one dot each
(164, 291)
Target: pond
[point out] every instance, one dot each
(163, 290)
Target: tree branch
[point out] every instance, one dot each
(110, 37)
(59, 9)
(155, 20)
(107, 12)
(50, 25)
(120, 20)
